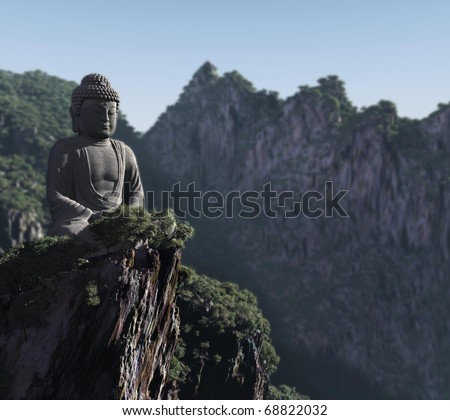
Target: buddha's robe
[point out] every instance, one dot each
(85, 177)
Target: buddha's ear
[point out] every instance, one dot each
(75, 121)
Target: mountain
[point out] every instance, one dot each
(358, 304)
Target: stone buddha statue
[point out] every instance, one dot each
(90, 174)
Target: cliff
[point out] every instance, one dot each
(105, 330)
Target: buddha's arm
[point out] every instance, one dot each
(63, 206)
(133, 190)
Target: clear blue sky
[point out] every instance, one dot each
(396, 50)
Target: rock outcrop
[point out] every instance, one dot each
(19, 226)
(106, 330)
(231, 369)
(127, 325)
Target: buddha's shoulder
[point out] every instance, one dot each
(66, 144)
(120, 144)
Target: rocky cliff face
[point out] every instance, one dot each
(107, 330)
(231, 369)
(219, 117)
(22, 216)
(18, 226)
(364, 297)
(224, 350)
(109, 327)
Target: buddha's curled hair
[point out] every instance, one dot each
(93, 86)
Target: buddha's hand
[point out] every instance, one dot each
(95, 216)
(99, 214)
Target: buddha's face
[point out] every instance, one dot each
(98, 118)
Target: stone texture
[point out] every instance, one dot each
(19, 226)
(107, 331)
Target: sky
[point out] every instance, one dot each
(394, 50)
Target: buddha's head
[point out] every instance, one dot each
(94, 107)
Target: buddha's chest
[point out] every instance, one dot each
(103, 165)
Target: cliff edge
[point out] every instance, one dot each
(76, 325)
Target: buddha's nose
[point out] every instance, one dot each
(105, 116)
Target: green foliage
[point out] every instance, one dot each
(34, 112)
(130, 223)
(410, 136)
(24, 266)
(221, 306)
(211, 311)
(236, 78)
(331, 94)
(21, 187)
(92, 296)
(284, 392)
(179, 370)
(414, 143)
